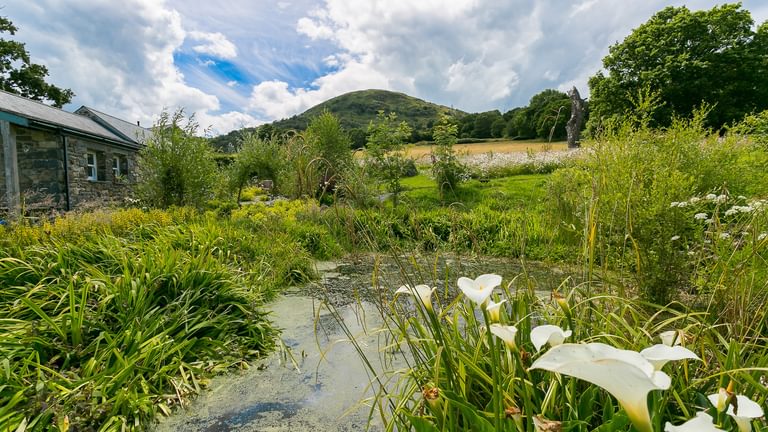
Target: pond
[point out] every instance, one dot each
(316, 380)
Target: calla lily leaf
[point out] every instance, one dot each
(548, 334)
(480, 289)
(660, 354)
(626, 375)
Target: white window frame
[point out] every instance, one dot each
(117, 168)
(92, 167)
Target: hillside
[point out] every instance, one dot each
(356, 109)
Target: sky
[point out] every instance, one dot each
(239, 63)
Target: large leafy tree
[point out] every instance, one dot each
(547, 112)
(19, 75)
(687, 58)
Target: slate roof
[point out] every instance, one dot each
(120, 127)
(42, 115)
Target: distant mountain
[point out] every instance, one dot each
(355, 110)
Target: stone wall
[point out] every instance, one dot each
(40, 157)
(43, 180)
(107, 189)
(3, 198)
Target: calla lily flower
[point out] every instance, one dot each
(660, 354)
(548, 334)
(626, 375)
(480, 289)
(671, 337)
(746, 410)
(494, 309)
(423, 292)
(505, 333)
(703, 422)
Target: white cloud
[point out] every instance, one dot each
(118, 57)
(275, 100)
(124, 57)
(214, 44)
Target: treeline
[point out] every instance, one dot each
(546, 114)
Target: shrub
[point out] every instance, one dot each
(176, 166)
(618, 196)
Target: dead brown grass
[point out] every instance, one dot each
(420, 151)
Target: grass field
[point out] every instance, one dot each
(509, 146)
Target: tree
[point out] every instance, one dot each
(385, 156)
(689, 58)
(333, 144)
(20, 76)
(446, 167)
(176, 166)
(257, 158)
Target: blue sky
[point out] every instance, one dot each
(245, 62)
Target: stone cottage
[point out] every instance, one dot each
(55, 159)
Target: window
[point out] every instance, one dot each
(117, 169)
(91, 168)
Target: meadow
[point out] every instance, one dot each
(112, 318)
(422, 151)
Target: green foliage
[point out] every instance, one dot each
(301, 174)
(461, 376)
(176, 167)
(257, 158)
(620, 194)
(110, 331)
(755, 126)
(20, 76)
(690, 58)
(385, 156)
(332, 144)
(446, 167)
(546, 114)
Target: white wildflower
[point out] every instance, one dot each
(725, 235)
(711, 197)
(700, 216)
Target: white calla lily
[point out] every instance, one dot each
(671, 337)
(703, 422)
(505, 333)
(494, 309)
(548, 334)
(422, 292)
(660, 354)
(746, 411)
(626, 375)
(480, 289)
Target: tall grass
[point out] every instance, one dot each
(110, 319)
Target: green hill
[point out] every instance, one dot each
(355, 110)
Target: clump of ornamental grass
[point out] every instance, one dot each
(501, 357)
(114, 319)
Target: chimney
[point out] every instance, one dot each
(138, 122)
